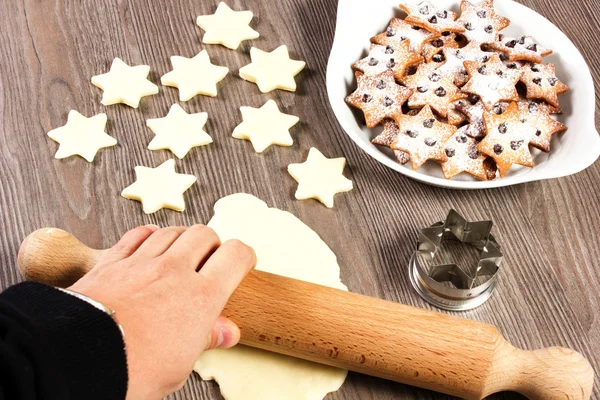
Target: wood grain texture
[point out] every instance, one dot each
(549, 291)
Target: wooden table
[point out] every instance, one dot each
(549, 292)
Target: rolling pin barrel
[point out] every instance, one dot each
(410, 345)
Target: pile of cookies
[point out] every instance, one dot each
(453, 89)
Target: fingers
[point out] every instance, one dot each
(225, 334)
(160, 241)
(128, 244)
(224, 271)
(194, 246)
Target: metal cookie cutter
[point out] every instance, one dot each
(434, 272)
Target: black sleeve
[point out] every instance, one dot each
(55, 346)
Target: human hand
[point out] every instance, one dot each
(168, 288)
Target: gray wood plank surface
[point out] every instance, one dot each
(549, 292)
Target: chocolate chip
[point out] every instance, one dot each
(461, 139)
(503, 57)
(450, 152)
(498, 149)
(533, 107)
(443, 14)
(497, 109)
(522, 40)
(422, 89)
(381, 84)
(403, 38)
(532, 47)
(390, 31)
(458, 38)
(430, 142)
(489, 29)
(437, 43)
(367, 98)
(387, 101)
(440, 92)
(512, 65)
(435, 77)
(482, 70)
(469, 26)
(511, 44)
(502, 128)
(389, 50)
(416, 28)
(500, 73)
(391, 63)
(515, 144)
(538, 132)
(433, 20)
(373, 62)
(412, 133)
(523, 120)
(535, 68)
(424, 10)
(537, 80)
(473, 153)
(473, 99)
(485, 59)
(428, 123)
(459, 55)
(481, 13)
(438, 57)
(553, 81)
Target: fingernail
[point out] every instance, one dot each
(156, 227)
(224, 333)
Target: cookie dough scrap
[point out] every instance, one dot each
(274, 70)
(193, 76)
(227, 27)
(82, 136)
(265, 126)
(320, 177)
(284, 246)
(159, 187)
(125, 84)
(179, 131)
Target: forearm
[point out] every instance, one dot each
(55, 346)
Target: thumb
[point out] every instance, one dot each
(225, 334)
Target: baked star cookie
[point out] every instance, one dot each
(387, 137)
(473, 108)
(159, 187)
(432, 88)
(422, 137)
(537, 116)
(193, 76)
(433, 51)
(274, 70)
(454, 59)
(541, 83)
(125, 84)
(463, 156)
(492, 81)
(382, 58)
(507, 139)
(426, 15)
(398, 31)
(523, 48)
(265, 126)
(482, 24)
(227, 27)
(179, 131)
(81, 136)
(378, 97)
(320, 177)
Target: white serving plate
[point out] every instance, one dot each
(573, 151)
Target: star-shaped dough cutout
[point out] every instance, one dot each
(179, 131)
(81, 136)
(193, 76)
(227, 27)
(265, 126)
(274, 70)
(125, 84)
(320, 177)
(159, 187)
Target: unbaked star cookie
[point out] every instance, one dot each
(427, 15)
(159, 187)
(265, 126)
(382, 58)
(81, 136)
(398, 31)
(492, 81)
(125, 84)
(320, 177)
(274, 70)
(227, 27)
(179, 131)
(463, 156)
(481, 22)
(542, 83)
(193, 76)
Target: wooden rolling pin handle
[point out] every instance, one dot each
(435, 351)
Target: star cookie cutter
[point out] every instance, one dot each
(446, 285)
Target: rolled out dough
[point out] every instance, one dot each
(284, 245)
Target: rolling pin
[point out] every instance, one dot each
(376, 337)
